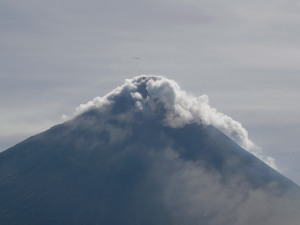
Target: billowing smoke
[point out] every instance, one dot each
(180, 109)
(146, 153)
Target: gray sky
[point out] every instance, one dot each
(244, 55)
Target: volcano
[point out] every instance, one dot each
(146, 153)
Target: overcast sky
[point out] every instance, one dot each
(245, 55)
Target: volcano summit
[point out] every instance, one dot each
(146, 153)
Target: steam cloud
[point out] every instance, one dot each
(181, 109)
(147, 153)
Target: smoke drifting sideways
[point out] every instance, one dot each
(192, 191)
(181, 109)
(198, 196)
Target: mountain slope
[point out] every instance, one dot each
(118, 163)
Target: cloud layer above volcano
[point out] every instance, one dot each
(180, 108)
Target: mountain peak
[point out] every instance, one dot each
(146, 153)
(163, 97)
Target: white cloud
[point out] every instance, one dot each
(136, 95)
(97, 102)
(181, 109)
(64, 117)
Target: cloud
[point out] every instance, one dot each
(152, 151)
(97, 102)
(181, 108)
(137, 153)
(64, 117)
(195, 195)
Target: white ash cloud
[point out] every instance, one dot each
(181, 109)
